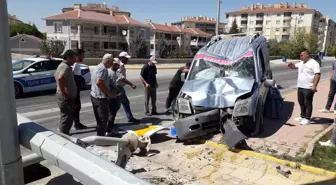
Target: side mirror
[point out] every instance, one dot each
(30, 70)
(269, 83)
(183, 76)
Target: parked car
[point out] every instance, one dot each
(37, 74)
(226, 89)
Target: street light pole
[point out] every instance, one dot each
(11, 172)
(218, 17)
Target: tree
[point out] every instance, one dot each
(331, 50)
(311, 42)
(139, 47)
(163, 48)
(234, 27)
(53, 48)
(22, 28)
(273, 47)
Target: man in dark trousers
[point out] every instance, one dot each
(100, 94)
(308, 79)
(78, 79)
(114, 100)
(123, 60)
(66, 91)
(332, 91)
(148, 78)
(176, 85)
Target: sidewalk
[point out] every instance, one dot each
(287, 136)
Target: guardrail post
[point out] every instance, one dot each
(11, 171)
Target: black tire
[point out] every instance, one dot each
(17, 90)
(174, 108)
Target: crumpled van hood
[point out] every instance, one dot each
(218, 92)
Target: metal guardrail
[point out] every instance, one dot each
(74, 159)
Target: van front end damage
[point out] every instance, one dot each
(235, 103)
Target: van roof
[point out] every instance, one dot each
(231, 48)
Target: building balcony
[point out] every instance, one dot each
(259, 25)
(287, 18)
(285, 33)
(286, 25)
(260, 18)
(243, 18)
(243, 25)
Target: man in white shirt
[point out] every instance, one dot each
(308, 79)
(123, 59)
(78, 79)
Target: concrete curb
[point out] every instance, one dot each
(311, 144)
(306, 168)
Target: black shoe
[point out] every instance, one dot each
(80, 126)
(133, 120)
(155, 113)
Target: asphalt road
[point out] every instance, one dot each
(42, 107)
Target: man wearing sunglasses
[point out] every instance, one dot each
(308, 79)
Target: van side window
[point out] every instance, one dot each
(262, 63)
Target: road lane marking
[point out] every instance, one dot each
(84, 105)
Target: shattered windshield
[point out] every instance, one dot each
(203, 69)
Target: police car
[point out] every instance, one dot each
(37, 74)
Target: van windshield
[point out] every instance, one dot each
(203, 69)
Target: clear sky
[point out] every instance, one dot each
(160, 11)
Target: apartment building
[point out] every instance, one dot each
(327, 32)
(277, 21)
(180, 40)
(96, 28)
(202, 23)
(12, 19)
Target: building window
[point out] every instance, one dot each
(96, 45)
(277, 29)
(152, 46)
(142, 32)
(278, 22)
(112, 45)
(58, 27)
(279, 14)
(300, 22)
(96, 30)
(301, 14)
(105, 45)
(251, 22)
(268, 22)
(105, 30)
(251, 30)
(259, 29)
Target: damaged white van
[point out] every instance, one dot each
(226, 88)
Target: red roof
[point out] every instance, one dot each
(195, 31)
(273, 9)
(98, 17)
(166, 28)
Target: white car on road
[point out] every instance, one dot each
(37, 74)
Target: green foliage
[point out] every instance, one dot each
(234, 28)
(163, 48)
(53, 48)
(300, 41)
(273, 47)
(331, 50)
(139, 47)
(23, 28)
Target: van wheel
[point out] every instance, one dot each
(17, 90)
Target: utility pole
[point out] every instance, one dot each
(218, 17)
(11, 171)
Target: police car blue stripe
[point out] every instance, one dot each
(36, 82)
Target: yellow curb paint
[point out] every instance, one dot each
(306, 168)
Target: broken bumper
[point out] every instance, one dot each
(198, 125)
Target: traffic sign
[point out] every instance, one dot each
(22, 40)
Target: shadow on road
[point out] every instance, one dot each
(63, 179)
(319, 120)
(271, 126)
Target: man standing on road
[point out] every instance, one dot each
(123, 59)
(308, 79)
(176, 85)
(66, 91)
(332, 90)
(78, 79)
(100, 93)
(114, 102)
(148, 78)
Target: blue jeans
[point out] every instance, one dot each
(125, 102)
